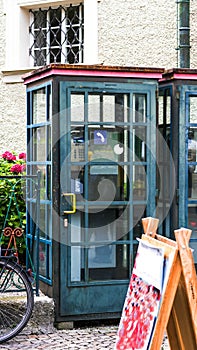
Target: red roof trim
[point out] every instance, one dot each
(29, 78)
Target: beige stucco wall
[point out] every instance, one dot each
(193, 33)
(131, 33)
(142, 33)
(138, 33)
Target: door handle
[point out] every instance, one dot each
(73, 203)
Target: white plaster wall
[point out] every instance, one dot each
(12, 117)
(12, 104)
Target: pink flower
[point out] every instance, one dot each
(8, 155)
(17, 168)
(22, 156)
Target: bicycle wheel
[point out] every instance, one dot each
(16, 299)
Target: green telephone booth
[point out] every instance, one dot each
(177, 122)
(91, 133)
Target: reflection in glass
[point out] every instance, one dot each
(193, 109)
(39, 106)
(107, 224)
(192, 163)
(50, 102)
(108, 262)
(48, 233)
(42, 221)
(193, 245)
(109, 108)
(137, 230)
(43, 259)
(192, 219)
(49, 143)
(107, 182)
(45, 181)
(139, 212)
(164, 107)
(168, 109)
(94, 108)
(45, 256)
(161, 108)
(139, 108)
(192, 183)
(76, 227)
(77, 263)
(139, 182)
(135, 249)
(39, 144)
(139, 143)
(97, 244)
(77, 107)
(77, 252)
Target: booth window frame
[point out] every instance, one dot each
(44, 165)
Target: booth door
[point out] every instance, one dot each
(105, 168)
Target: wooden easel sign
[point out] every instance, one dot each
(162, 294)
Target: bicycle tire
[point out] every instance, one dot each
(16, 299)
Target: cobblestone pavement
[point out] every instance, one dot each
(93, 338)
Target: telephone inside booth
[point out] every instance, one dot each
(105, 148)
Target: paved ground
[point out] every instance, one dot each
(93, 338)
(40, 333)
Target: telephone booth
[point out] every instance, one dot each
(177, 121)
(91, 134)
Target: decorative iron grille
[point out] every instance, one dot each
(57, 35)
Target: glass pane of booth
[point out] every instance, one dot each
(193, 109)
(139, 143)
(77, 107)
(192, 163)
(192, 219)
(39, 106)
(139, 108)
(39, 144)
(108, 108)
(96, 244)
(108, 262)
(139, 182)
(94, 107)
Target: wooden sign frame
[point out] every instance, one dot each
(178, 308)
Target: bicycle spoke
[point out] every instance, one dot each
(16, 300)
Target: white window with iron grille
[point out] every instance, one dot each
(57, 35)
(49, 32)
